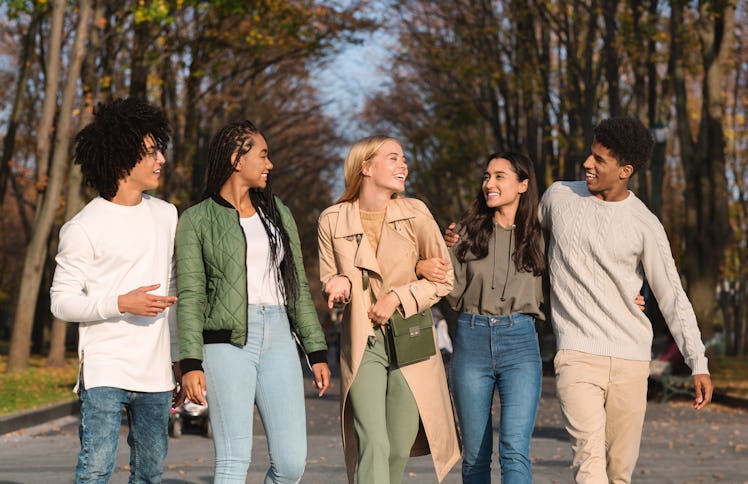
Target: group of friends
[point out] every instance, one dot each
(233, 262)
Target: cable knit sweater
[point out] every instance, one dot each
(107, 250)
(599, 254)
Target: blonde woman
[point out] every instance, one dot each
(388, 413)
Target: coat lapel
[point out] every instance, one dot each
(397, 241)
(348, 227)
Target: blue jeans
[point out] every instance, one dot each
(101, 417)
(265, 372)
(491, 352)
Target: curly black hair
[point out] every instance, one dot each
(111, 145)
(628, 139)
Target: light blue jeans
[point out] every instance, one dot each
(101, 417)
(265, 372)
(496, 352)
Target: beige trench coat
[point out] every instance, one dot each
(409, 232)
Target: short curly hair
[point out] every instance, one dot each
(628, 139)
(110, 146)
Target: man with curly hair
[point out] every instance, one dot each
(114, 277)
(603, 243)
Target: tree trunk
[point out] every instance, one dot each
(33, 266)
(73, 203)
(707, 229)
(610, 54)
(75, 198)
(143, 35)
(15, 110)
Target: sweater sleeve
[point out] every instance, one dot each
(543, 209)
(460, 279)
(69, 295)
(663, 278)
(171, 314)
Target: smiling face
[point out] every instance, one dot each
(501, 185)
(605, 177)
(387, 170)
(146, 173)
(254, 166)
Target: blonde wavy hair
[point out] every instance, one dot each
(361, 153)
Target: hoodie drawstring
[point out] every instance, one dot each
(508, 261)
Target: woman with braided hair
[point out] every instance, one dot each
(242, 289)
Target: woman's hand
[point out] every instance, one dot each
(321, 377)
(450, 236)
(177, 395)
(338, 290)
(193, 383)
(434, 269)
(380, 312)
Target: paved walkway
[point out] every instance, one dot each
(680, 446)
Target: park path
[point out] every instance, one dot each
(679, 446)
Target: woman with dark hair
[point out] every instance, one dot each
(498, 264)
(242, 290)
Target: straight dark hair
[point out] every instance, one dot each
(227, 146)
(477, 221)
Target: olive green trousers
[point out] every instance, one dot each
(385, 416)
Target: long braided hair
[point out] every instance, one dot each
(477, 222)
(228, 145)
(110, 146)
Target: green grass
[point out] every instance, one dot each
(36, 386)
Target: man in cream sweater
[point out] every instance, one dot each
(114, 278)
(603, 243)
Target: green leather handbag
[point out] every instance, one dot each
(409, 340)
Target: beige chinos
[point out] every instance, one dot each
(603, 400)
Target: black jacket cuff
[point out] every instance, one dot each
(190, 364)
(317, 357)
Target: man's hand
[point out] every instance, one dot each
(338, 290)
(639, 301)
(704, 388)
(450, 236)
(140, 303)
(178, 394)
(193, 383)
(321, 377)
(380, 312)
(434, 269)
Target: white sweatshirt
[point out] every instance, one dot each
(105, 251)
(599, 255)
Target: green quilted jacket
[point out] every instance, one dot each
(211, 261)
